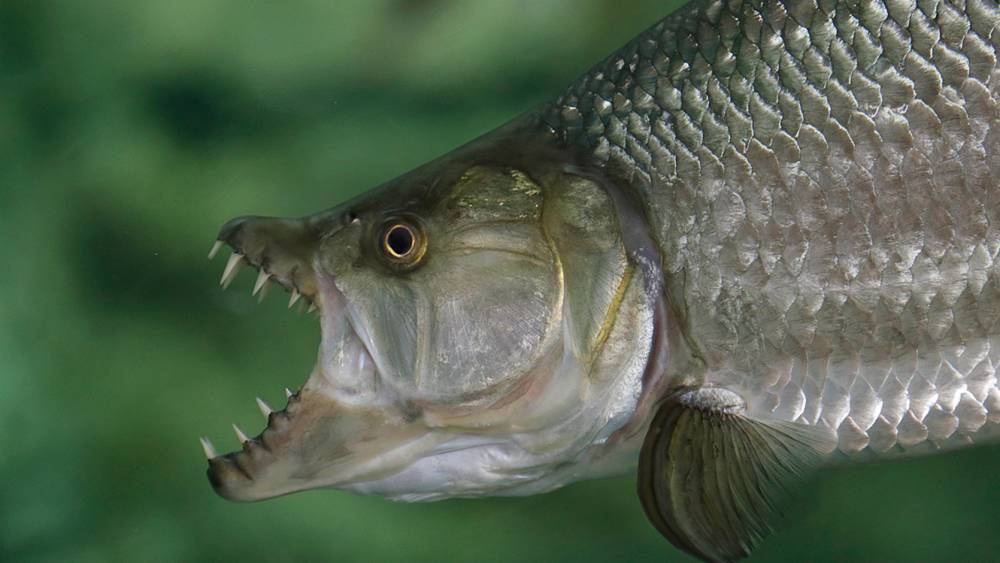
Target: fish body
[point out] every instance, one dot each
(759, 238)
(822, 180)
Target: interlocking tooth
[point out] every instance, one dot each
(209, 449)
(262, 278)
(240, 435)
(232, 267)
(295, 297)
(288, 393)
(263, 292)
(216, 247)
(265, 409)
(312, 307)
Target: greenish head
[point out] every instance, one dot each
(486, 329)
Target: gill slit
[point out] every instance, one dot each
(555, 321)
(612, 314)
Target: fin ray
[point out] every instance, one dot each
(711, 479)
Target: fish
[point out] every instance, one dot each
(759, 239)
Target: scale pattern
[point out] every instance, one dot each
(823, 179)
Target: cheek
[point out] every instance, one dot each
(388, 315)
(492, 317)
(470, 331)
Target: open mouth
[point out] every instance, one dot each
(287, 455)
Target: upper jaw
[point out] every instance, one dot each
(280, 249)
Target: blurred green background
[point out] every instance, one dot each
(131, 130)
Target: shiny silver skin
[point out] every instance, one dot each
(824, 180)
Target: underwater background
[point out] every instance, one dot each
(130, 130)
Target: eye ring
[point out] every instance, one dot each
(402, 242)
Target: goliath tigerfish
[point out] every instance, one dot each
(759, 238)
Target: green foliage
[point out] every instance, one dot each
(133, 129)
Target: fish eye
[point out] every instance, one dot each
(403, 243)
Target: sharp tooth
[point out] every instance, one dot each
(216, 247)
(264, 407)
(312, 307)
(262, 278)
(232, 267)
(209, 449)
(288, 393)
(295, 297)
(263, 292)
(240, 435)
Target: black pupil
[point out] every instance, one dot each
(399, 240)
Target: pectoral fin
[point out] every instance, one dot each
(711, 478)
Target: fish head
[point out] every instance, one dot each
(483, 332)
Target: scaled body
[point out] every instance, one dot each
(822, 177)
